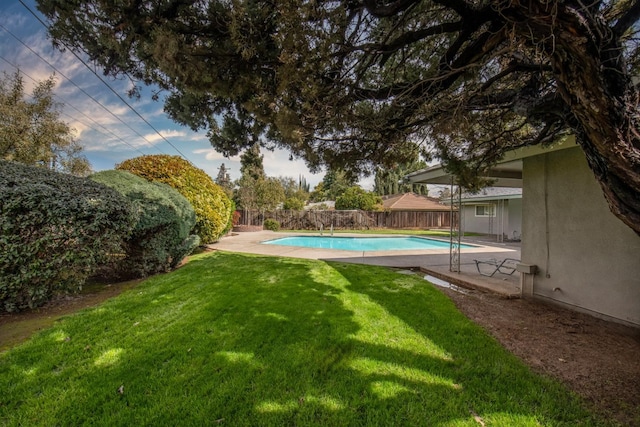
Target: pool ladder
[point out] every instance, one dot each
(322, 229)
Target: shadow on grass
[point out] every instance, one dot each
(248, 340)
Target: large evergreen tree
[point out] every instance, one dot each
(223, 179)
(251, 164)
(31, 131)
(358, 82)
(392, 180)
(335, 182)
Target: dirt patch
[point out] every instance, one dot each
(15, 328)
(598, 360)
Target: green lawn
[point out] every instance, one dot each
(244, 340)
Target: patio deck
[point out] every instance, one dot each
(432, 262)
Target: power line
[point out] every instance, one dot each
(106, 84)
(78, 87)
(76, 109)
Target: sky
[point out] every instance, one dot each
(108, 130)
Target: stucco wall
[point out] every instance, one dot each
(586, 257)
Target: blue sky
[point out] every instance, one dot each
(109, 131)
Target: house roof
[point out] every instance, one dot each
(330, 204)
(507, 173)
(412, 202)
(488, 194)
(494, 193)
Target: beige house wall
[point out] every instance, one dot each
(586, 257)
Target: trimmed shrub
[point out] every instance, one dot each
(56, 229)
(271, 224)
(160, 239)
(211, 204)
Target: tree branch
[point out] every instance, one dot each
(387, 10)
(630, 17)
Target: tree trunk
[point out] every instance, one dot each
(590, 71)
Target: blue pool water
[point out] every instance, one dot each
(362, 243)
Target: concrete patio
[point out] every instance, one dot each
(432, 262)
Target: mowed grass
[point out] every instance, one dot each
(243, 340)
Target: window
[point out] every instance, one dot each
(485, 210)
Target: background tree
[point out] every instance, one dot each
(392, 180)
(317, 195)
(31, 131)
(212, 206)
(445, 195)
(251, 163)
(303, 185)
(333, 184)
(357, 198)
(374, 81)
(270, 194)
(296, 192)
(293, 204)
(259, 194)
(224, 180)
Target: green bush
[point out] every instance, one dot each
(160, 239)
(271, 224)
(357, 198)
(293, 204)
(56, 229)
(211, 204)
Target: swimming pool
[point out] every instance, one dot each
(362, 243)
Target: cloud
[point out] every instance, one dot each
(163, 134)
(211, 154)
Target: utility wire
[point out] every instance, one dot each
(76, 109)
(78, 87)
(106, 84)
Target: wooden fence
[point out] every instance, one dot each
(349, 220)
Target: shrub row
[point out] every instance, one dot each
(161, 236)
(212, 206)
(57, 230)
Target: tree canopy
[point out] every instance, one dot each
(251, 163)
(393, 180)
(356, 198)
(224, 180)
(351, 83)
(31, 131)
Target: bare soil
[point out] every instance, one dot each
(598, 360)
(17, 327)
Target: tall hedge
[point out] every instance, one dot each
(211, 204)
(161, 237)
(56, 230)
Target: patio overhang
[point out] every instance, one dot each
(507, 173)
